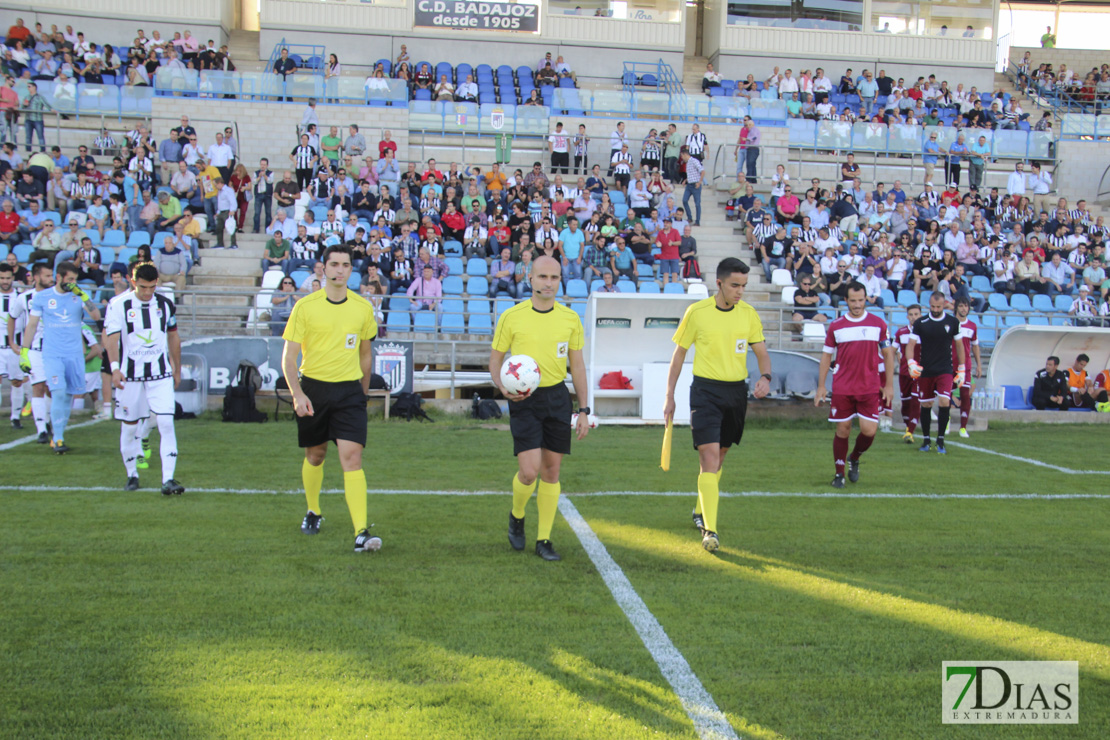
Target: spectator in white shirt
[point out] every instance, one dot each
(787, 85)
(953, 238)
(873, 285)
(1015, 185)
(220, 156)
(711, 78)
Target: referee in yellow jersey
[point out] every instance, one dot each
(551, 334)
(331, 331)
(721, 328)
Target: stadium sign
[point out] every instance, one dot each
(393, 361)
(477, 16)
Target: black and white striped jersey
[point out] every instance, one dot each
(20, 310)
(6, 301)
(144, 329)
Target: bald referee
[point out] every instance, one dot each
(331, 331)
(721, 328)
(551, 334)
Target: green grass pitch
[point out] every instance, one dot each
(126, 615)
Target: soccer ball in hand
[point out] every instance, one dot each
(520, 374)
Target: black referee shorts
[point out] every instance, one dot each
(542, 420)
(717, 411)
(339, 412)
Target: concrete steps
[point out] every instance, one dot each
(243, 46)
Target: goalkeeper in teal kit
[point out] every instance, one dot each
(61, 310)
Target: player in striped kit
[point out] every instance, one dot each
(969, 336)
(858, 389)
(911, 405)
(19, 311)
(144, 351)
(9, 359)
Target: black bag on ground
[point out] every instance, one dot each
(408, 407)
(485, 410)
(239, 405)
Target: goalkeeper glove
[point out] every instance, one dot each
(960, 378)
(78, 291)
(25, 360)
(915, 369)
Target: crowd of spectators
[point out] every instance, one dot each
(406, 222)
(1088, 90)
(880, 99)
(64, 57)
(965, 244)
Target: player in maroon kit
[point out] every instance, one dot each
(858, 390)
(934, 334)
(969, 337)
(911, 405)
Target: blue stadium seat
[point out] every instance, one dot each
(477, 286)
(889, 299)
(674, 288)
(453, 248)
(479, 323)
(981, 283)
(1063, 303)
(997, 302)
(53, 216)
(1014, 398)
(397, 318)
(354, 281)
(596, 284)
(477, 267)
(626, 286)
(577, 288)
(126, 253)
(650, 286)
(422, 95)
(137, 239)
(906, 298)
(1038, 321)
(501, 305)
(1020, 302)
(452, 285)
(424, 321)
(1015, 321)
(23, 252)
(454, 266)
(616, 197)
(1043, 303)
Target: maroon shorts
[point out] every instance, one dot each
(909, 387)
(931, 386)
(846, 408)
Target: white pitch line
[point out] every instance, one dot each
(708, 719)
(30, 439)
(1031, 461)
(677, 494)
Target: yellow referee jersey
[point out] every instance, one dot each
(545, 336)
(720, 339)
(330, 334)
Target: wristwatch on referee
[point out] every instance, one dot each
(766, 375)
(584, 410)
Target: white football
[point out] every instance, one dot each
(520, 374)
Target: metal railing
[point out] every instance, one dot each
(903, 139)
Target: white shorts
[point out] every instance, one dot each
(140, 398)
(92, 382)
(38, 372)
(9, 365)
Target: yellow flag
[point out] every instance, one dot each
(665, 456)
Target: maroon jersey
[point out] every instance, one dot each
(969, 335)
(901, 339)
(857, 343)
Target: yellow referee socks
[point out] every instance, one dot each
(697, 503)
(521, 494)
(354, 488)
(313, 478)
(547, 501)
(708, 494)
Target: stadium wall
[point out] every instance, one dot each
(116, 21)
(1079, 168)
(594, 47)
